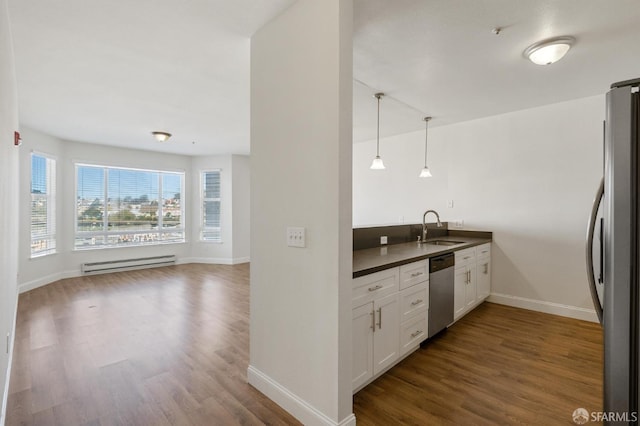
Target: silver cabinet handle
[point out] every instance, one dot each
(467, 257)
(378, 287)
(416, 274)
(379, 318)
(486, 268)
(416, 334)
(417, 302)
(373, 321)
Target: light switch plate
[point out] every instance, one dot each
(296, 237)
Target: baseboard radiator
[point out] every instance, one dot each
(127, 264)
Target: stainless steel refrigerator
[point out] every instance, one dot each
(613, 249)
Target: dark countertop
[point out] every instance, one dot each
(368, 261)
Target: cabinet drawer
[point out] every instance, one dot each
(414, 300)
(483, 251)
(466, 256)
(414, 273)
(413, 332)
(373, 286)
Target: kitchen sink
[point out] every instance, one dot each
(443, 242)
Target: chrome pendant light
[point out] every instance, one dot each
(377, 163)
(425, 171)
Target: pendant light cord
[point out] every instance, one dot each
(378, 96)
(426, 138)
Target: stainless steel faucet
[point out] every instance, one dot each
(424, 223)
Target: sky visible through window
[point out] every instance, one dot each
(38, 174)
(125, 183)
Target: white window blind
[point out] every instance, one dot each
(128, 207)
(43, 205)
(211, 206)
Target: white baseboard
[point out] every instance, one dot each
(48, 279)
(295, 405)
(5, 394)
(546, 307)
(212, 260)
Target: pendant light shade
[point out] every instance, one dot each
(377, 163)
(425, 170)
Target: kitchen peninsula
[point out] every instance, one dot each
(392, 300)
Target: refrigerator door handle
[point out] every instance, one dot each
(589, 251)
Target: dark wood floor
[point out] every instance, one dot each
(152, 347)
(170, 346)
(496, 366)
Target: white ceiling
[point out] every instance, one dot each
(111, 72)
(442, 58)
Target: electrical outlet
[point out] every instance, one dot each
(383, 240)
(458, 223)
(296, 237)
(450, 204)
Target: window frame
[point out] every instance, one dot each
(105, 231)
(203, 200)
(51, 200)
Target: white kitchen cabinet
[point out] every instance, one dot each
(464, 294)
(413, 332)
(414, 273)
(483, 271)
(459, 292)
(471, 290)
(386, 337)
(414, 301)
(362, 361)
(375, 326)
(376, 338)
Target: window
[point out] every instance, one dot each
(118, 207)
(211, 206)
(43, 205)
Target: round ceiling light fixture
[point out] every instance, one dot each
(548, 51)
(161, 136)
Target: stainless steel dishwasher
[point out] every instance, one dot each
(441, 274)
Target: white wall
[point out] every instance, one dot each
(66, 262)
(208, 252)
(241, 190)
(301, 176)
(9, 216)
(234, 214)
(529, 176)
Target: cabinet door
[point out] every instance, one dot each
(460, 292)
(470, 292)
(484, 278)
(386, 338)
(362, 363)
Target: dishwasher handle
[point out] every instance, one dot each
(441, 262)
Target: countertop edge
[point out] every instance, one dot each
(363, 272)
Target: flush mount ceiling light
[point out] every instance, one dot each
(549, 51)
(377, 163)
(425, 171)
(161, 136)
